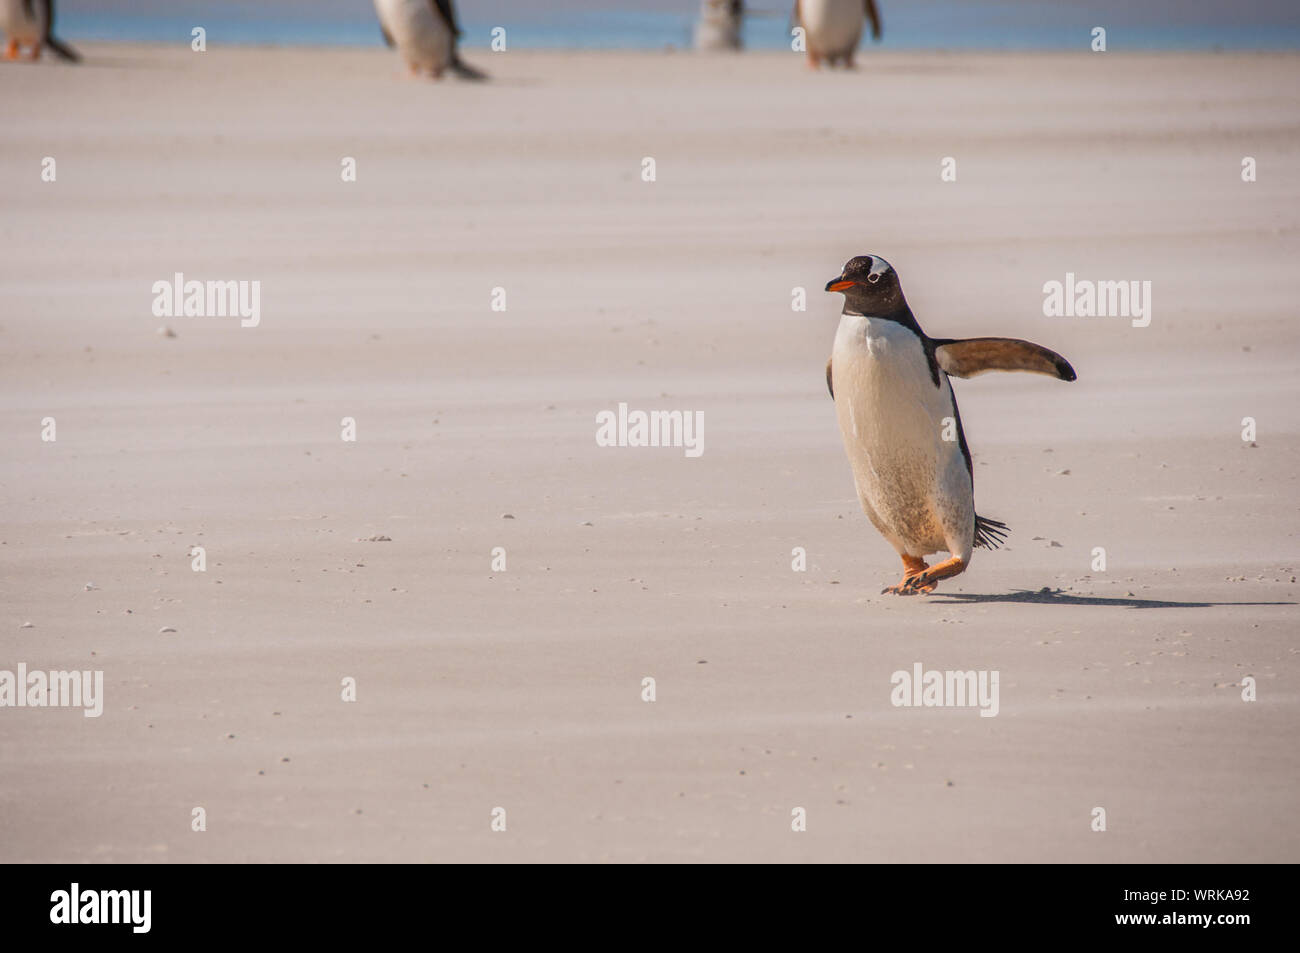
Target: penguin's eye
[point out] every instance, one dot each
(873, 278)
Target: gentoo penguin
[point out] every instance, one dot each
(898, 416)
(719, 25)
(425, 34)
(30, 23)
(832, 28)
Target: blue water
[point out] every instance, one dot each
(611, 24)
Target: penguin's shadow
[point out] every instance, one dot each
(1059, 597)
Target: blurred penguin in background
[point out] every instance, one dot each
(719, 25)
(833, 29)
(30, 24)
(425, 34)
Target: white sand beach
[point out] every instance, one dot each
(522, 689)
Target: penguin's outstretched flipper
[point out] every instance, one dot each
(874, 16)
(465, 71)
(966, 358)
(458, 66)
(44, 12)
(62, 50)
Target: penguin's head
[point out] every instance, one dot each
(870, 285)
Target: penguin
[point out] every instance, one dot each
(30, 23)
(902, 432)
(719, 25)
(832, 28)
(425, 34)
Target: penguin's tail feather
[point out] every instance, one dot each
(989, 533)
(465, 71)
(62, 50)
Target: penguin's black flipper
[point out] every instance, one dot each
(966, 358)
(387, 38)
(465, 71)
(874, 16)
(62, 50)
(989, 534)
(829, 386)
(445, 10)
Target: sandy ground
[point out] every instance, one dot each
(521, 689)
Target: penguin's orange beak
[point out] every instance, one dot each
(839, 284)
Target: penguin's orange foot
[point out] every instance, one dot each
(912, 586)
(35, 53)
(905, 588)
(926, 580)
(11, 50)
(913, 566)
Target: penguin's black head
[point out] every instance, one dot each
(870, 286)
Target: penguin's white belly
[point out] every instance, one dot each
(420, 34)
(27, 30)
(832, 27)
(913, 484)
